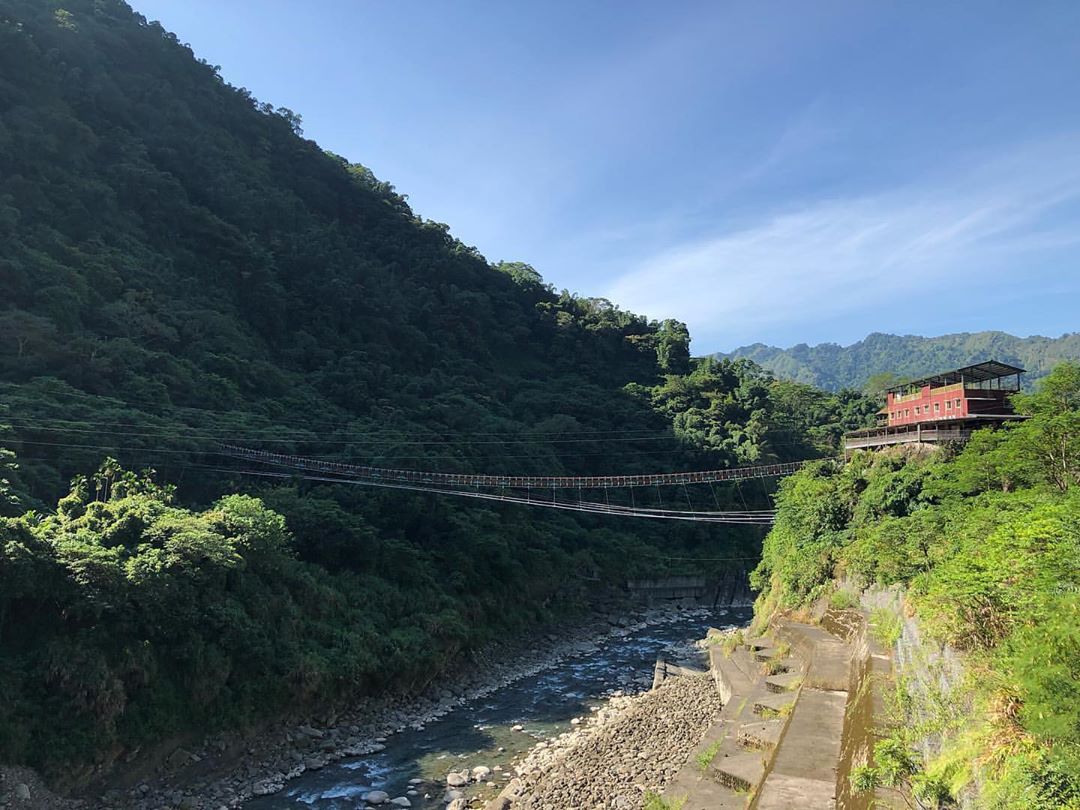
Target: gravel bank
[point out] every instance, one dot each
(631, 746)
(217, 776)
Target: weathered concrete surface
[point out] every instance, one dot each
(804, 768)
(803, 772)
(730, 589)
(734, 769)
(726, 769)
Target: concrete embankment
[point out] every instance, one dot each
(799, 713)
(779, 721)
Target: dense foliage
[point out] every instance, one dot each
(880, 360)
(179, 267)
(987, 542)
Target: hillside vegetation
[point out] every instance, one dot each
(180, 267)
(880, 359)
(987, 543)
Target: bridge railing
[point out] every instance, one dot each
(514, 481)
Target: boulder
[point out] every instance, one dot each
(22, 792)
(450, 795)
(178, 758)
(481, 773)
(457, 804)
(376, 797)
(455, 779)
(401, 801)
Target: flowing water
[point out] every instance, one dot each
(483, 732)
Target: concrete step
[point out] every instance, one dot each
(781, 684)
(695, 787)
(762, 735)
(734, 674)
(779, 666)
(764, 654)
(831, 665)
(746, 665)
(701, 792)
(803, 771)
(739, 769)
(770, 705)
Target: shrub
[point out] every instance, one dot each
(885, 626)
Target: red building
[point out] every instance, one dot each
(943, 407)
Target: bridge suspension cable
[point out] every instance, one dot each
(761, 517)
(521, 488)
(515, 481)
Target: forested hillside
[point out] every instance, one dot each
(987, 544)
(881, 359)
(180, 267)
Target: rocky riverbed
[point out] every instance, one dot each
(631, 747)
(229, 770)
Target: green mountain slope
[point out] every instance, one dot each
(832, 366)
(179, 268)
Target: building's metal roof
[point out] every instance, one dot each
(980, 372)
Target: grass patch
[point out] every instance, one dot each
(729, 642)
(843, 599)
(706, 757)
(773, 667)
(773, 714)
(653, 801)
(885, 626)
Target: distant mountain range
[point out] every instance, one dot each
(831, 366)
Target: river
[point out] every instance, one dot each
(498, 728)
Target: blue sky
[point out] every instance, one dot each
(775, 172)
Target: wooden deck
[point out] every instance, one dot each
(929, 432)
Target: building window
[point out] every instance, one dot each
(918, 410)
(948, 404)
(907, 411)
(937, 407)
(958, 402)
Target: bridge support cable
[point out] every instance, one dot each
(518, 489)
(513, 481)
(764, 517)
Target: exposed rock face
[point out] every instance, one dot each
(634, 745)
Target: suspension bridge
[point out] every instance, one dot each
(590, 494)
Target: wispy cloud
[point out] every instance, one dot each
(829, 257)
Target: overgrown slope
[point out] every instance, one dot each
(987, 543)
